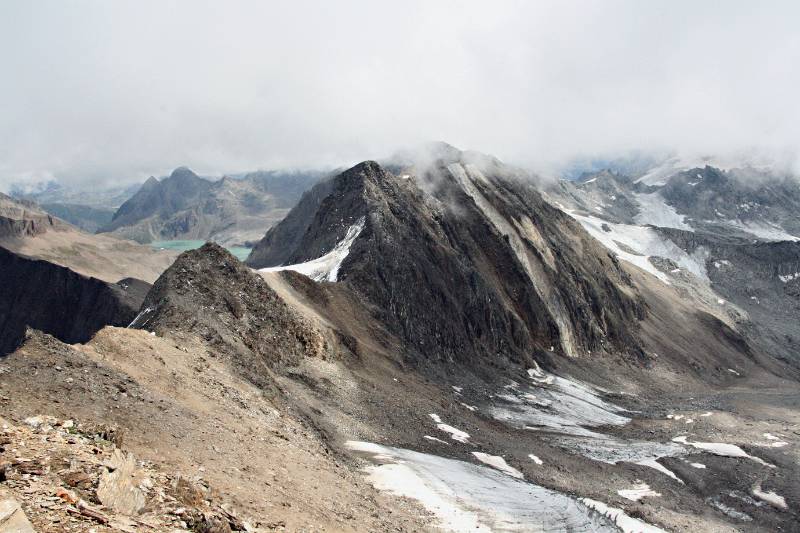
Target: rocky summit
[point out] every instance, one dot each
(464, 265)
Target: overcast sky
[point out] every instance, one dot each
(116, 91)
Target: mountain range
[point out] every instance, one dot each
(229, 211)
(434, 341)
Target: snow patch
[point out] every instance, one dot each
(769, 497)
(556, 404)
(764, 230)
(789, 277)
(455, 434)
(499, 463)
(638, 492)
(721, 449)
(140, 315)
(612, 450)
(535, 459)
(730, 511)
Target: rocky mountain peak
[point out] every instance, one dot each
(183, 172)
(209, 293)
(474, 266)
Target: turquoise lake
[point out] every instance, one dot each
(240, 252)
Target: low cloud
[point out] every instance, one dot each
(106, 92)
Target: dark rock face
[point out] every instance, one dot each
(465, 264)
(210, 293)
(58, 301)
(710, 195)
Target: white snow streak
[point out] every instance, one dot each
(326, 268)
(722, 449)
(638, 492)
(654, 464)
(455, 434)
(626, 523)
(789, 277)
(769, 497)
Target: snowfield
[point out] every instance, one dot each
(636, 244)
(555, 404)
(465, 497)
(654, 210)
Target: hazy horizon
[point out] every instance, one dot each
(102, 92)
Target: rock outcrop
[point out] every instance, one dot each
(21, 218)
(762, 278)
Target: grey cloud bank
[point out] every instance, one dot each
(111, 92)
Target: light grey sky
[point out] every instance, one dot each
(117, 90)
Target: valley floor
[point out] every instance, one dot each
(336, 451)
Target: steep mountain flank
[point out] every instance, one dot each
(209, 293)
(601, 192)
(766, 206)
(56, 300)
(230, 211)
(761, 278)
(464, 265)
(726, 239)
